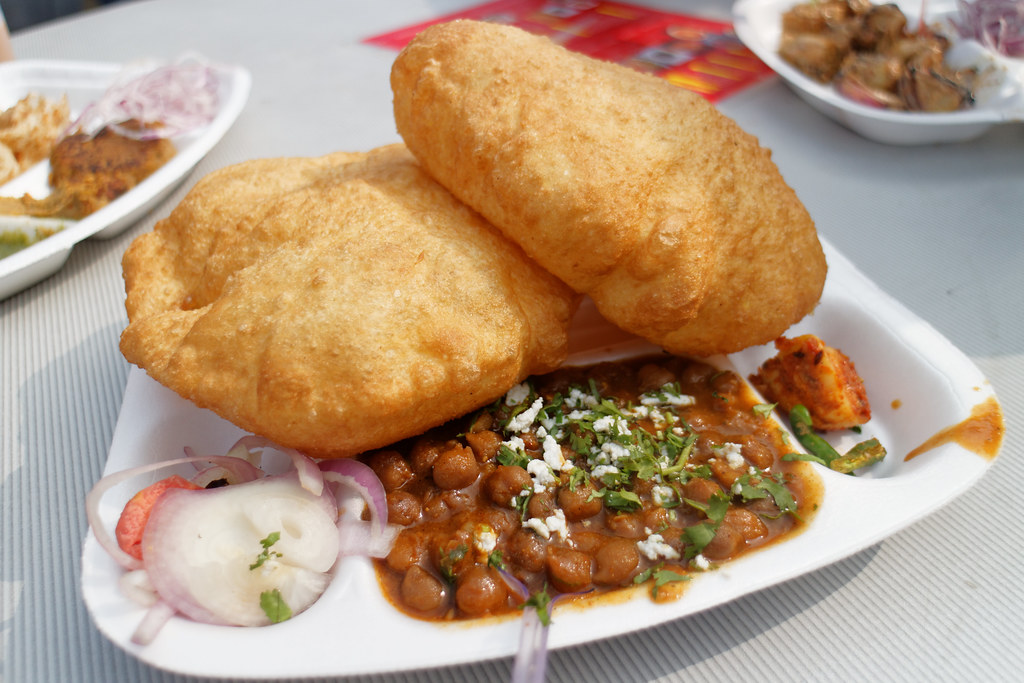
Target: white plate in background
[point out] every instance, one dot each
(918, 384)
(758, 23)
(85, 82)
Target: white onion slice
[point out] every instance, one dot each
(92, 500)
(376, 537)
(198, 549)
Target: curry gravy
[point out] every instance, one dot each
(600, 480)
(981, 433)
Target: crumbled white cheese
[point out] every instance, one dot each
(615, 451)
(680, 399)
(662, 494)
(516, 444)
(701, 563)
(737, 488)
(485, 539)
(538, 525)
(552, 524)
(578, 398)
(553, 455)
(523, 420)
(654, 547)
(666, 397)
(541, 474)
(556, 524)
(517, 394)
(733, 455)
(602, 470)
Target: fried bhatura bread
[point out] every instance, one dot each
(634, 191)
(339, 305)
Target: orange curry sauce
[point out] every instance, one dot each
(981, 433)
(594, 479)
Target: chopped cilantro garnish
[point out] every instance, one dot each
(449, 560)
(661, 577)
(267, 553)
(764, 409)
(507, 456)
(495, 559)
(699, 535)
(542, 603)
(274, 606)
(622, 500)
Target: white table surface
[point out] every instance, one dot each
(939, 227)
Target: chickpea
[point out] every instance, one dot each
(485, 444)
(455, 468)
(391, 468)
(569, 570)
(505, 483)
(748, 525)
(616, 562)
(700, 490)
(526, 550)
(403, 507)
(410, 549)
(725, 544)
(480, 590)
(423, 454)
(758, 454)
(541, 504)
(421, 590)
(652, 377)
(625, 524)
(577, 503)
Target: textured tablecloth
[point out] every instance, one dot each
(939, 227)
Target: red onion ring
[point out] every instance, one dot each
(174, 99)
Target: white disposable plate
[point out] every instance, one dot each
(84, 82)
(758, 23)
(353, 629)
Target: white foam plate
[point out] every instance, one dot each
(758, 23)
(84, 82)
(352, 629)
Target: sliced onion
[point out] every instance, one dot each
(149, 627)
(310, 475)
(178, 98)
(996, 24)
(137, 586)
(359, 478)
(198, 549)
(92, 501)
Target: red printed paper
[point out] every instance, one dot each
(701, 55)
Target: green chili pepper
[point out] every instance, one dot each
(800, 419)
(863, 454)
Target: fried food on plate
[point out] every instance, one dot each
(634, 191)
(821, 378)
(87, 172)
(337, 304)
(28, 130)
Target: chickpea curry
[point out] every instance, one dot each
(588, 478)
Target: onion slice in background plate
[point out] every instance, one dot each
(179, 98)
(996, 24)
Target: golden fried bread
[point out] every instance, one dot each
(349, 303)
(639, 193)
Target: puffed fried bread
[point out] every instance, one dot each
(339, 304)
(639, 193)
